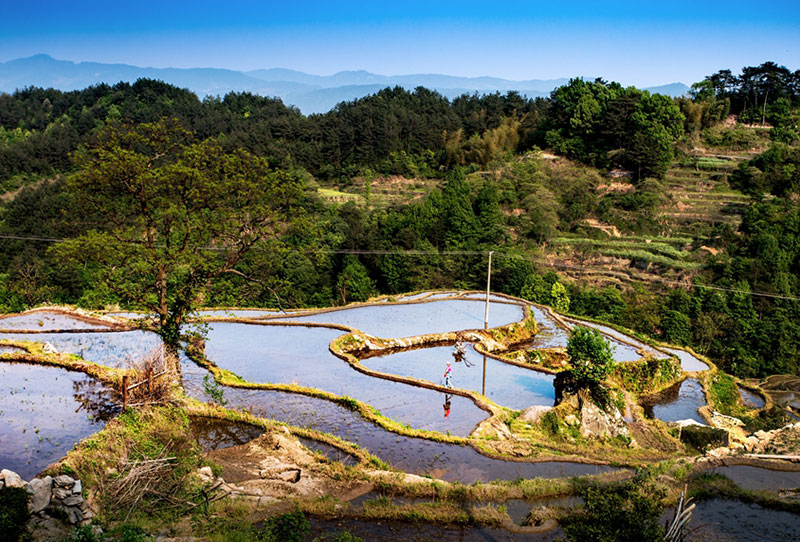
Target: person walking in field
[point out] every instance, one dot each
(447, 374)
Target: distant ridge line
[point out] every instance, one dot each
(310, 93)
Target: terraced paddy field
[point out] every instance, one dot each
(390, 401)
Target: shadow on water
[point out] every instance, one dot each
(419, 318)
(300, 355)
(750, 398)
(508, 385)
(44, 412)
(680, 402)
(450, 462)
(214, 434)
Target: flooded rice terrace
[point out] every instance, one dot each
(44, 412)
(47, 321)
(505, 384)
(680, 402)
(451, 462)
(407, 320)
(109, 348)
(300, 355)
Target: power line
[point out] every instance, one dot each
(360, 252)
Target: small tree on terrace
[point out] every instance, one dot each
(591, 356)
(166, 215)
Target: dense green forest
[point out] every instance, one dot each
(485, 184)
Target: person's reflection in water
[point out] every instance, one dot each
(446, 405)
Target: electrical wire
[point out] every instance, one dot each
(360, 252)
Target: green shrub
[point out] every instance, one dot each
(291, 527)
(701, 437)
(590, 355)
(617, 513)
(13, 513)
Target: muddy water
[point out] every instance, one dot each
(680, 402)
(689, 362)
(419, 318)
(285, 354)
(422, 532)
(213, 434)
(46, 321)
(112, 349)
(508, 385)
(750, 398)
(5, 349)
(719, 520)
(757, 478)
(418, 456)
(44, 412)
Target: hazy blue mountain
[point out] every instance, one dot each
(310, 93)
(672, 89)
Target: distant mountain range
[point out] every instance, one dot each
(310, 93)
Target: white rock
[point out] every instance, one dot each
(77, 488)
(12, 479)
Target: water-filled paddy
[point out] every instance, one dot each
(406, 320)
(759, 478)
(689, 362)
(680, 402)
(8, 349)
(751, 398)
(419, 532)
(720, 520)
(450, 462)
(619, 337)
(44, 412)
(550, 335)
(214, 434)
(46, 321)
(507, 385)
(300, 355)
(111, 348)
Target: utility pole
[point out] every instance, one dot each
(488, 284)
(486, 317)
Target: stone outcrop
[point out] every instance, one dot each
(48, 494)
(533, 414)
(599, 423)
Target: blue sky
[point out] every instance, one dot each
(642, 43)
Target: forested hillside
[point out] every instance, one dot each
(675, 217)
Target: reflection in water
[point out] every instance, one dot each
(750, 398)
(415, 455)
(506, 384)
(47, 321)
(758, 478)
(719, 520)
(44, 412)
(112, 349)
(680, 402)
(419, 318)
(300, 355)
(213, 434)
